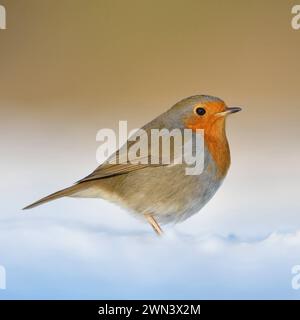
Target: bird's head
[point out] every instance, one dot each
(203, 112)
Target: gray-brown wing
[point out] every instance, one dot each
(116, 165)
(113, 166)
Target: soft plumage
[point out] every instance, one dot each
(164, 193)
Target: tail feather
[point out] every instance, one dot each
(56, 195)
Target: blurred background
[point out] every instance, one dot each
(69, 68)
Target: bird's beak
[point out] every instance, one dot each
(229, 110)
(233, 109)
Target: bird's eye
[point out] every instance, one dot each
(200, 111)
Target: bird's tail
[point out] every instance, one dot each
(56, 195)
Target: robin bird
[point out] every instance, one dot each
(164, 193)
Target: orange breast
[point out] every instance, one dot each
(219, 150)
(214, 137)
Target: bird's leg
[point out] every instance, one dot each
(154, 224)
